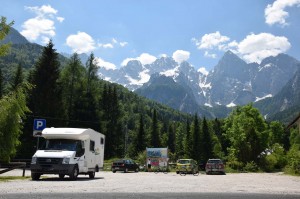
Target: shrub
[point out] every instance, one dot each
(269, 163)
(293, 156)
(235, 165)
(274, 161)
(251, 167)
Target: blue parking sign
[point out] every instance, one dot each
(39, 124)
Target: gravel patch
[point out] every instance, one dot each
(143, 182)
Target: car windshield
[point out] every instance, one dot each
(184, 161)
(214, 162)
(60, 144)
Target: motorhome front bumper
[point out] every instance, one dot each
(52, 169)
(51, 166)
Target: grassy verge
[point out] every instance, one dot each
(8, 178)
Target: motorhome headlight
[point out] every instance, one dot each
(66, 160)
(33, 160)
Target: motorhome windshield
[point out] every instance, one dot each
(61, 144)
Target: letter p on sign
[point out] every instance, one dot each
(39, 124)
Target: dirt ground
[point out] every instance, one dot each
(269, 183)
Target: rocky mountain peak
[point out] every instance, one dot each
(14, 37)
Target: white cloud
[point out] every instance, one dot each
(144, 58)
(254, 48)
(113, 43)
(211, 55)
(45, 40)
(42, 25)
(81, 42)
(38, 27)
(108, 45)
(210, 41)
(124, 43)
(42, 11)
(60, 19)
(275, 13)
(125, 61)
(203, 71)
(107, 65)
(181, 55)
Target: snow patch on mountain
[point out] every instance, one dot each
(207, 104)
(231, 105)
(171, 73)
(203, 71)
(144, 77)
(269, 65)
(264, 97)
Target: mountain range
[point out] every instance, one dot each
(271, 85)
(232, 82)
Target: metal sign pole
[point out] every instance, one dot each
(38, 143)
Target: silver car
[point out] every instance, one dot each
(215, 166)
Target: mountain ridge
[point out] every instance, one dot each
(232, 82)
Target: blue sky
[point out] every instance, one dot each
(198, 31)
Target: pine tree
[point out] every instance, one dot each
(141, 142)
(45, 99)
(196, 153)
(72, 81)
(155, 139)
(91, 66)
(112, 128)
(179, 140)
(171, 137)
(188, 145)
(18, 78)
(207, 145)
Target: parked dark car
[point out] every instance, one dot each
(215, 166)
(124, 165)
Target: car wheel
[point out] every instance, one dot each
(74, 173)
(92, 174)
(114, 171)
(183, 173)
(35, 176)
(196, 173)
(137, 170)
(61, 176)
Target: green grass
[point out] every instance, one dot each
(8, 178)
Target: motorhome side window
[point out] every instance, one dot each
(102, 141)
(92, 145)
(79, 149)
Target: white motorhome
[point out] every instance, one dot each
(69, 151)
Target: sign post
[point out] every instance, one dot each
(38, 127)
